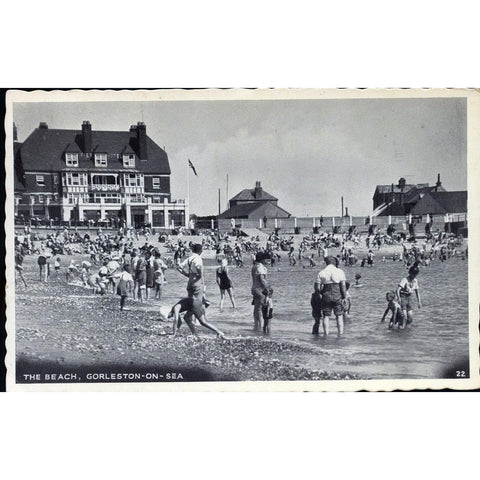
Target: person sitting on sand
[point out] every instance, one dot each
(267, 309)
(190, 308)
(393, 306)
(405, 289)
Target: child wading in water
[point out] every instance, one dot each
(224, 283)
(397, 315)
(316, 303)
(125, 285)
(405, 289)
(267, 309)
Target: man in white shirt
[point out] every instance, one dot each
(331, 285)
(192, 268)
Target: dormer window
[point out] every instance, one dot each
(129, 160)
(71, 159)
(100, 159)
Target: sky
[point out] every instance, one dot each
(307, 153)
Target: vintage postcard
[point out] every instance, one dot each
(242, 240)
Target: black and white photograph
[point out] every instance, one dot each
(242, 240)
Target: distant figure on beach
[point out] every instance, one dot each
(224, 283)
(405, 290)
(259, 284)
(370, 258)
(291, 256)
(331, 284)
(18, 265)
(394, 307)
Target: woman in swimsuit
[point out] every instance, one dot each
(224, 282)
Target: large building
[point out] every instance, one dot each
(400, 198)
(254, 203)
(95, 176)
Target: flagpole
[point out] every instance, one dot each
(188, 186)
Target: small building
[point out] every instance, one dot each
(253, 204)
(90, 176)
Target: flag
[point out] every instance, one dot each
(190, 164)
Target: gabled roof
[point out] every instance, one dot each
(442, 202)
(252, 194)
(240, 210)
(451, 201)
(246, 209)
(417, 193)
(44, 150)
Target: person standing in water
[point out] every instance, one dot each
(331, 284)
(259, 284)
(192, 268)
(405, 290)
(224, 283)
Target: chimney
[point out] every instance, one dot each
(43, 126)
(87, 137)
(142, 140)
(15, 135)
(438, 184)
(258, 189)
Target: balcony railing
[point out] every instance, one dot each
(105, 188)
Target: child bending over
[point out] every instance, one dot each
(394, 307)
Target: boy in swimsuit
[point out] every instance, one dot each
(393, 306)
(405, 290)
(267, 309)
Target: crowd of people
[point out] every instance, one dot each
(118, 265)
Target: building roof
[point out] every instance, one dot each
(442, 202)
(252, 194)
(246, 209)
(44, 150)
(396, 188)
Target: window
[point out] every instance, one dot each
(156, 182)
(40, 199)
(71, 159)
(135, 180)
(100, 159)
(41, 180)
(55, 180)
(129, 160)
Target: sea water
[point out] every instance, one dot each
(435, 342)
